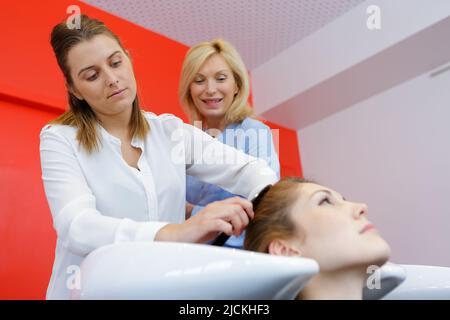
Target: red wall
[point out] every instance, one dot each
(288, 150)
(31, 93)
(286, 143)
(27, 238)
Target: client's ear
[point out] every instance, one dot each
(279, 247)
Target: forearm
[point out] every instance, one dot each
(245, 175)
(170, 232)
(224, 166)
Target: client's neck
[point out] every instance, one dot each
(337, 285)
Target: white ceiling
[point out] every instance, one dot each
(259, 29)
(345, 62)
(309, 58)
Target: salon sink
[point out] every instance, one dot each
(423, 283)
(181, 271)
(383, 280)
(165, 270)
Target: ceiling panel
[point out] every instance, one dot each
(259, 29)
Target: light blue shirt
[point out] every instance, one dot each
(250, 136)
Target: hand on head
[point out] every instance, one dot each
(230, 216)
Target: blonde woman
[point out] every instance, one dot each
(214, 91)
(113, 173)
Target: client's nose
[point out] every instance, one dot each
(361, 210)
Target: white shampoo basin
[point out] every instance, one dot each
(181, 271)
(424, 283)
(165, 270)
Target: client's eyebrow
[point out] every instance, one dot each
(327, 192)
(110, 56)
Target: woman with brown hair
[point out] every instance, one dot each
(296, 217)
(113, 173)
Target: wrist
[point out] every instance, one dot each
(170, 232)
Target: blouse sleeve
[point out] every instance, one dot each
(264, 148)
(214, 162)
(80, 227)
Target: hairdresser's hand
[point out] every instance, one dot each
(230, 216)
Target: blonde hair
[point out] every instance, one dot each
(195, 58)
(80, 114)
(273, 218)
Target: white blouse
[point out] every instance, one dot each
(98, 199)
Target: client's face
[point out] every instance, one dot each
(335, 232)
